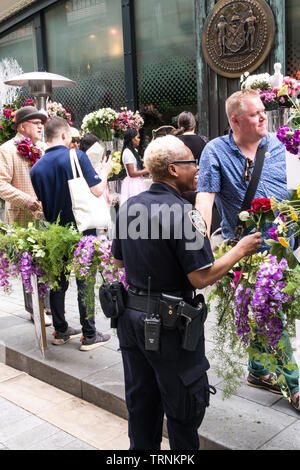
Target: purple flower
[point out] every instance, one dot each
(273, 233)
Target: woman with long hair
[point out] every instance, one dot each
(133, 183)
(186, 132)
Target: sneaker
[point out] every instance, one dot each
(92, 343)
(296, 405)
(62, 338)
(271, 383)
(47, 320)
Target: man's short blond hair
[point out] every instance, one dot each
(234, 104)
(162, 151)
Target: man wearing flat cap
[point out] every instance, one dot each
(21, 204)
(17, 156)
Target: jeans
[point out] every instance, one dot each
(86, 310)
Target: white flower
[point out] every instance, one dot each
(262, 81)
(244, 216)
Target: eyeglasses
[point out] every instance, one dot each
(248, 165)
(36, 123)
(75, 141)
(191, 162)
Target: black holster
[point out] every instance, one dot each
(113, 297)
(195, 316)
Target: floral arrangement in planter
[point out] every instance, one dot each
(48, 251)
(100, 123)
(273, 98)
(258, 301)
(127, 119)
(7, 131)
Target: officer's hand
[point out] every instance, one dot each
(249, 244)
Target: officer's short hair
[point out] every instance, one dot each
(234, 104)
(160, 152)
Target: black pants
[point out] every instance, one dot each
(172, 381)
(86, 307)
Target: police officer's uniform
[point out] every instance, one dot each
(172, 380)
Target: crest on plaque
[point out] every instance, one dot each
(237, 36)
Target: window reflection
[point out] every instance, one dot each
(85, 44)
(293, 38)
(19, 45)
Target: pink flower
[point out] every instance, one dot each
(237, 276)
(7, 112)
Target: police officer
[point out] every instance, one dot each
(161, 240)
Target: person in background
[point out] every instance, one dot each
(87, 141)
(133, 183)
(187, 133)
(75, 138)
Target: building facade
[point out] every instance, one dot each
(143, 54)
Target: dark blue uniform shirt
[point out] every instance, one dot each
(153, 240)
(50, 177)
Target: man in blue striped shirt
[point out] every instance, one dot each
(223, 179)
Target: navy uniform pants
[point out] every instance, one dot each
(171, 381)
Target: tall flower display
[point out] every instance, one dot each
(127, 119)
(100, 123)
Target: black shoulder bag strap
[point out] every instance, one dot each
(259, 161)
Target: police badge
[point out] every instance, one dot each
(197, 221)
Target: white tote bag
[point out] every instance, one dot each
(89, 211)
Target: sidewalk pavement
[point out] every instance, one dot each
(249, 420)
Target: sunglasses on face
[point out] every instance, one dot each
(191, 162)
(247, 174)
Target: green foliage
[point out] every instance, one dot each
(50, 245)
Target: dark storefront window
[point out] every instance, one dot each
(293, 38)
(85, 44)
(19, 44)
(166, 64)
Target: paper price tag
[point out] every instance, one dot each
(296, 253)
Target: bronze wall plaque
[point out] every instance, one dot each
(237, 36)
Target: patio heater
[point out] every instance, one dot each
(40, 85)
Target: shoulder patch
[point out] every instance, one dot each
(197, 221)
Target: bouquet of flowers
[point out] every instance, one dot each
(100, 123)
(126, 119)
(286, 226)
(272, 98)
(257, 303)
(118, 172)
(289, 134)
(57, 109)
